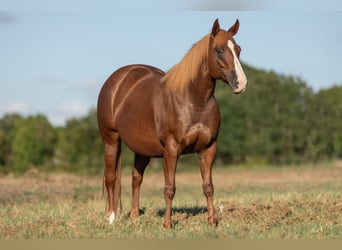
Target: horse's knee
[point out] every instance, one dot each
(136, 179)
(169, 192)
(109, 177)
(208, 190)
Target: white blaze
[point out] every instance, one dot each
(241, 77)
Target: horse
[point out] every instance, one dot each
(165, 115)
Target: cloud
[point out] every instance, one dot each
(15, 107)
(50, 79)
(224, 5)
(88, 84)
(74, 108)
(89, 89)
(6, 18)
(68, 110)
(255, 5)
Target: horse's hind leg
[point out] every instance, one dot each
(140, 163)
(112, 174)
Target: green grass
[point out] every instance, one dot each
(287, 203)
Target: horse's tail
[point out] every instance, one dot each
(117, 187)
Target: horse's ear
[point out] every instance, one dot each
(216, 27)
(235, 28)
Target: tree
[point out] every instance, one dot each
(8, 127)
(33, 142)
(324, 138)
(4, 149)
(267, 122)
(79, 144)
(278, 120)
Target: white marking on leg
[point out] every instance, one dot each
(221, 207)
(111, 218)
(241, 77)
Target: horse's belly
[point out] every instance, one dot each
(141, 138)
(145, 147)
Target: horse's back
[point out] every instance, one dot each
(126, 106)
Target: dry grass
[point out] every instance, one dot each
(268, 203)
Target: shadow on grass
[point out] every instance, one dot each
(181, 213)
(189, 211)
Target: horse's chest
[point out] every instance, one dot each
(198, 136)
(191, 128)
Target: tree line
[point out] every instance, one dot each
(278, 120)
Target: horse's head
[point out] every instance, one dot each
(223, 57)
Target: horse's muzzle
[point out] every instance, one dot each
(239, 90)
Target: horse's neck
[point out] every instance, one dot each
(201, 90)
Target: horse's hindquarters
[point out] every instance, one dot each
(126, 105)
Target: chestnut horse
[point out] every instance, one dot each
(166, 115)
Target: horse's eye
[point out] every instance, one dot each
(219, 50)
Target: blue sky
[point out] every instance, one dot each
(55, 55)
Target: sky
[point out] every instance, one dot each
(55, 55)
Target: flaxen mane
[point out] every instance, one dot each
(180, 75)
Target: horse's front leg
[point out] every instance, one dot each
(207, 158)
(171, 154)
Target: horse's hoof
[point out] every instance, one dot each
(134, 214)
(167, 226)
(111, 218)
(212, 222)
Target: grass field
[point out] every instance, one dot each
(283, 203)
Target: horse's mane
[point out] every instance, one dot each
(180, 75)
